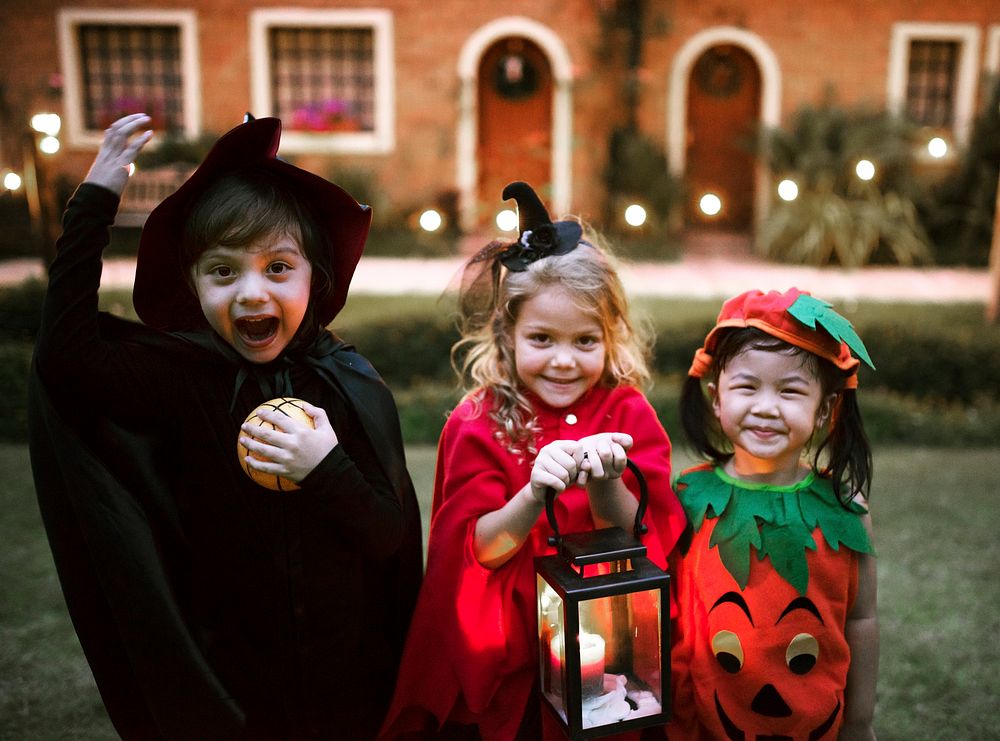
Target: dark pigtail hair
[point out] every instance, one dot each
(698, 421)
(849, 455)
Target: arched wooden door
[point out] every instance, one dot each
(515, 121)
(723, 112)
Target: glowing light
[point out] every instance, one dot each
(507, 220)
(131, 169)
(937, 147)
(865, 169)
(788, 190)
(11, 180)
(430, 220)
(635, 215)
(49, 145)
(46, 123)
(710, 204)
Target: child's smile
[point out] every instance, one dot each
(769, 404)
(559, 349)
(256, 331)
(255, 297)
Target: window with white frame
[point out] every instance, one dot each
(932, 75)
(931, 78)
(121, 62)
(993, 50)
(327, 74)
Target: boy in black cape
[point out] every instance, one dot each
(209, 606)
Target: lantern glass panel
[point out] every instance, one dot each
(620, 642)
(552, 659)
(619, 649)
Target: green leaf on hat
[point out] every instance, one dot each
(810, 311)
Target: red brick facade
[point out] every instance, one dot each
(434, 145)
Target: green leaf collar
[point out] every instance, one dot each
(777, 521)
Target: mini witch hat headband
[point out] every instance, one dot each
(539, 236)
(794, 317)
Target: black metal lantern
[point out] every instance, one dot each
(603, 629)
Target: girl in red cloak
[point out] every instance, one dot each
(777, 634)
(555, 367)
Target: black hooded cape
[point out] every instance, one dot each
(112, 522)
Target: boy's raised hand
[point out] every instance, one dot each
(122, 141)
(292, 450)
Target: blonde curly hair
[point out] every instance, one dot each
(484, 356)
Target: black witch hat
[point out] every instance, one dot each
(162, 297)
(539, 236)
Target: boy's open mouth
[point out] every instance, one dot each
(257, 331)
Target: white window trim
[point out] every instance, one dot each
(968, 36)
(677, 97)
(70, 19)
(993, 50)
(379, 141)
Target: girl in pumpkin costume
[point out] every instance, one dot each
(777, 634)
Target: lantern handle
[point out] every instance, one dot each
(639, 529)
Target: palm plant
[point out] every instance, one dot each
(837, 217)
(960, 216)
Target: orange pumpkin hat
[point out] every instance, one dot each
(794, 317)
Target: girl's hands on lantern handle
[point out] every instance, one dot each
(557, 466)
(602, 459)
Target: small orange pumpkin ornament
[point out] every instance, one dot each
(290, 407)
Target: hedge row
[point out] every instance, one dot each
(889, 417)
(938, 381)
(927, 360)
(15, 362)
(954, 365)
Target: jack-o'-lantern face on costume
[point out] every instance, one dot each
(764, 600)
(775, 664)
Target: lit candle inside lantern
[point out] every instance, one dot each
(591, 662)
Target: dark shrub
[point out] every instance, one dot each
(21, 310)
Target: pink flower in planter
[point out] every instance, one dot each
(327, 115)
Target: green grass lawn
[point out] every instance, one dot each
(936, 521)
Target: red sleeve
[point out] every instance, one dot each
(469, 649)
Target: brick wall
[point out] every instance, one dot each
(844, 44)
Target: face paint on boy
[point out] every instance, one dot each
(255, 296)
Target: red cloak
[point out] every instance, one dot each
(471, 654)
